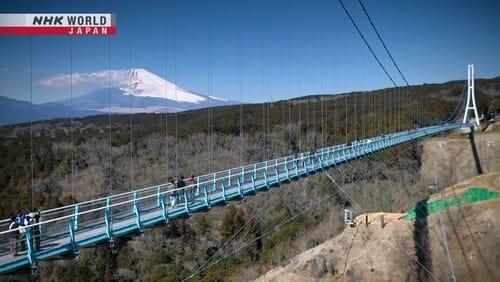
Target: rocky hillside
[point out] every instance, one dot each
(452, 159)
(408, 249)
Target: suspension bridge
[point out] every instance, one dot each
(63, 231)
(67, 229)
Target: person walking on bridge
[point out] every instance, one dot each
(181, 184)
(173, 195)
(192, 184)
(22, 221)
(34, 218)
(14, 236)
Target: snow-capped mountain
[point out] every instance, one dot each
(130, 91)
(138, 90)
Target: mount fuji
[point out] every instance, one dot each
(130, 91)
(140, 91)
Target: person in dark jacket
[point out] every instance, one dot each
(181, 184)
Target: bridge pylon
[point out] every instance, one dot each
(471, 100)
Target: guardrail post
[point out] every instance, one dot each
(243, 174)
(41, 226)
(207, 200)
(214, 187)
(265, 178)
(229, 177)
(164, 209)
(253, 183)
(223, 191)
(72, 239)
(186, 201)
(75, 221)
(158, 195)
(254, 171)
(239, 187)
(276, 170)
(137, 212)
(29, 243)
(107, 219)
(286, 169)
(197, 192)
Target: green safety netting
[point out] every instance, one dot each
(472, 195)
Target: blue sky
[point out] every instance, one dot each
(273, 49)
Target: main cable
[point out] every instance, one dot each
(366, 43)
(382, 41)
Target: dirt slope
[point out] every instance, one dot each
(409, 249)
(452, 157)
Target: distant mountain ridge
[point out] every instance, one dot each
(134, 91)
(14, 111)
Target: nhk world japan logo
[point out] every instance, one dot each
(57, 24)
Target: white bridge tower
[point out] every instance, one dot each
(470, 94)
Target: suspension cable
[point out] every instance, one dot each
(322, 104)
(283, 149)
(209, 90)
(177, 103)
(299, 102)
(307, 123)
(31, 124)
(110, 130)
(71, 119)
(166, 104)
(265, 156)
(130, 101)
(240, 93)
(289, 75)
